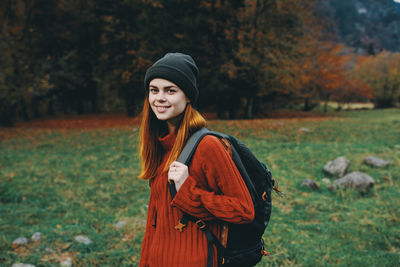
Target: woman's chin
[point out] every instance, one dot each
(162, 117)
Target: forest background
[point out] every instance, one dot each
(71, 69)
(75, 57)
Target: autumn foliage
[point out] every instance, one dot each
(381, 73)
(77, 57)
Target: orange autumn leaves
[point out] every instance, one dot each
(286, 49)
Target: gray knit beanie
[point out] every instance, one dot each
(177, 68)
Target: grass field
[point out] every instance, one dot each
(71, 182)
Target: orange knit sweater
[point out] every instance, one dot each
(213, 191)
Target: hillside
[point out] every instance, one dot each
(367, 25)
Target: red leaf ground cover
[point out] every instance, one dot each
(89, 121)
(104, 121)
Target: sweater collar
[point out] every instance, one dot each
(167, 141)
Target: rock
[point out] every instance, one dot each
(49, 251)
(20, 241)
(326, 180)
(22, 265)
(310, 184)
(36, 236)
(66, 262)
(83, 239)
(337, 167)
(305, 130)
(120, 224)
(354, 180)
(376, 162)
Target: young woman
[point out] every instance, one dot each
(210, 189)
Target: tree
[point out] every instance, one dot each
(382, 74)
(22, 80)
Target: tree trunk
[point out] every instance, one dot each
(232, 112)
(129, 108)
(24, 110)
(35, 107)
(306, 105)
(7, 115)
(249, 107)
(50, 107)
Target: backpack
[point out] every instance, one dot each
(245, 246)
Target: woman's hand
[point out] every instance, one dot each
(178, 173)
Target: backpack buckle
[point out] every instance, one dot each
(264, 196)
(180, 227)
(265, 253)
(201, 224)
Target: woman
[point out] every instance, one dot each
(210, 188)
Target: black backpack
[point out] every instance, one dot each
(245, 246)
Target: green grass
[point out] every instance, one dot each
(65, 183)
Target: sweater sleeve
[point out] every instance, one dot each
(231, 202)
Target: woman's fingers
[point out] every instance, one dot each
(177, 167)
(178, 173)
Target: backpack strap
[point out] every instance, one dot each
(190, 146)
(187, 153)
(185, 157)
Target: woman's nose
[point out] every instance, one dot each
(161, 96)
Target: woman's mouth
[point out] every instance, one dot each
(162, 109)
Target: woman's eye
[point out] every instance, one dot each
(171, 91)
(154, 91)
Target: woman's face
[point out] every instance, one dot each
(166, 99)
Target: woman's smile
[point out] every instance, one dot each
(162, 109)
(167, 100)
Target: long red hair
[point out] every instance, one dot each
(151, 129)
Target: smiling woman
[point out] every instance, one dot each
(210, 188)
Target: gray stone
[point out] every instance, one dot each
(36, 236)
(83, 239)
(20, 241)
(310, 184)
(66, 262)
(326, 180)
(49, 251)
(337, 167)
(18, 264)
(354, 180)
(305, 130)
(120, 224)
(376, 162)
